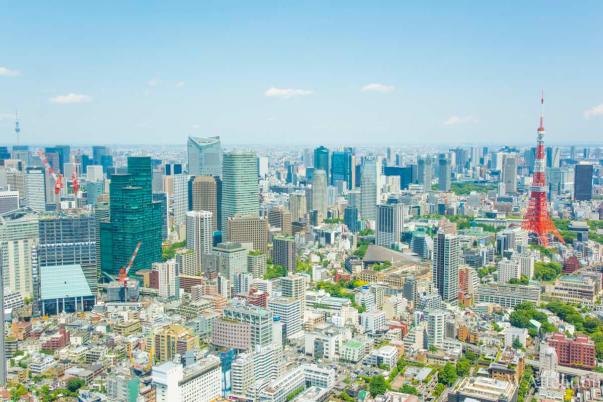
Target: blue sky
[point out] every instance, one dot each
(330, 72)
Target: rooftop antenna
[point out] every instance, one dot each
(17, 127)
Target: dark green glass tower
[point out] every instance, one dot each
(134, 217)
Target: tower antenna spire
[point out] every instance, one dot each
(17, 126)
(541, 126)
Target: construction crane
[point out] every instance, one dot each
(75, 181)
(58, 178)
(123, 271)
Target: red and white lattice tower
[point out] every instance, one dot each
(537, 220)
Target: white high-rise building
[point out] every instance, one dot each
(180, 198)
(94, 173)
(199, 234)
(199, 382)
(370, 188)
(297, 205)
(35, 189)
(526, 265)
(436, 322)
(319, 192)
(549, 376)
(289, 310)
(507, 270)
(509, 173)
(204, 156)
(168, 279)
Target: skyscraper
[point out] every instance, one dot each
(134, 218)
(283, 252)
(35, 188)
(390, 221)
(425, 170)
(369, 188)
(199, 235)
(240, 191)
(444, 173)
(68, 238)
(509, 173)
(583, 182)
(445, 266)
(19, 237)
(280, 217)
(205, 195)
(319, 192)
(343, 168)
(321, 160)
(204, 156)
(297, 205)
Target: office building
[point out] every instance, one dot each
(19, 237)
(240, 191)
(283, 252)
(200, 381)
(249, 229)
(134, 218)
(343, 168)
(369, 188)
(319, 192)
(389, 225)
(205, 195)
(9, 201)
(445, 266)
(294, 286)
(179, 198)
(173, 339)
(508, 295)
(425, 172)
(35, 188)
(289, 311)
(509, 173)
(199, 235)
(583, 182)
(444, 173)
(351, 219)
(259, 319)
(204, 156)
(256, 264)
(69, 238)
(321, 160)
(280, 217)
(297, 206)
(231, 259)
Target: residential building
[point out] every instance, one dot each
(445, 266)
(283, 252)
(199, 235)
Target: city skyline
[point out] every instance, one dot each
(312, 73)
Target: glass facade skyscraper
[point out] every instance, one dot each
(240, 191)
(134, 217)
(342, 168)
(205, 156)
(321, 159)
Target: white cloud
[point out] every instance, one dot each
(286, 93)
(7, 72)
(594, 111)
(71, 98)
(455, 120)
(180, 84)
(376, 87)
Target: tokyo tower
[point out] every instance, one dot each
(537, 220)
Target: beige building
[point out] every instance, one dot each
(249, 229)
(280, 217)
(204, 196)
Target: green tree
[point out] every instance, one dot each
(448, 375)
(463, 367)
(409, 389)
(75, 384)
(438, 389)
(517, 344)
(377, 385)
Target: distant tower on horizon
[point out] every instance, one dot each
(537, 220)
(17, 127)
